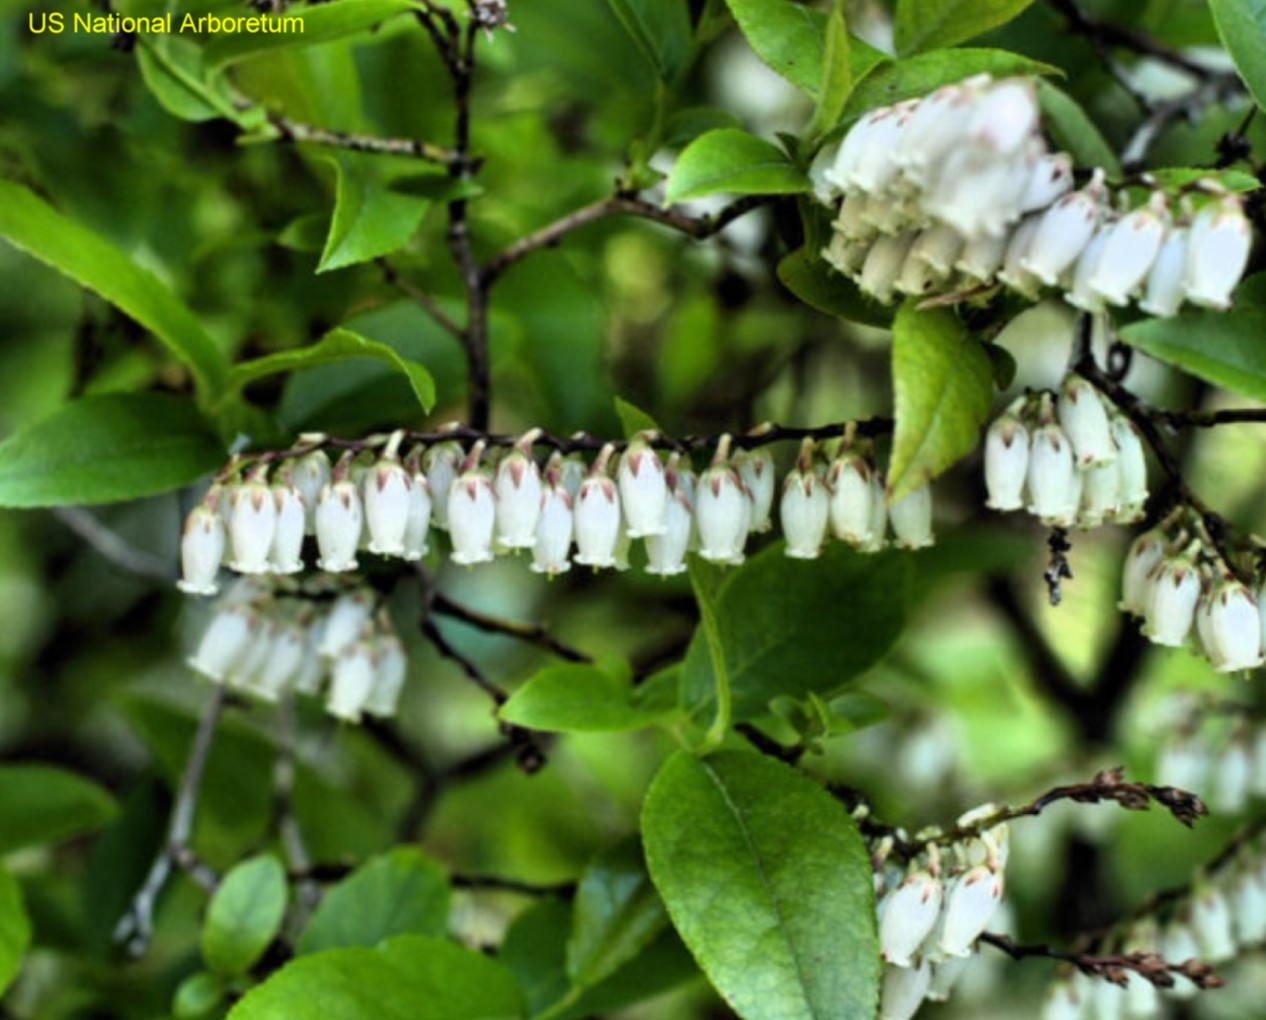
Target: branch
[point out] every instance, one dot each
(136, 927)
(1213, 89)
(1113, 967)
(424, 300)
(292, 131)
(136, 561)
(1104, 34)
(532, 633)
(283, 800)
(698, 227)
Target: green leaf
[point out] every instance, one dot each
(706, 581)
(111, 447)
(40, 804)
(1242, 26)
(808, 277)
(661, 31)
(944, 392)
(769, 884)
(403, 892)
(15, 929)
(791, 39)
(317, 24)
(1075, 132)
(774, 635)
(617, 914)
(579, 698)
(172, 69)
(837, 75)
(896, 80)
(1176, 178)
(336, 345)
(409, 977)
(930, 24)
(244, 915)
(31, 224)
(732, 161)
(633, 418)
(1223, 348)
(370, 219)
(197, 996)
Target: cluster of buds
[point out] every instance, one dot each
(956, 192)
(501, 501)
(1227, 771)
(265, 641)
(1185, 593)
(1069, 459)
(933, 910)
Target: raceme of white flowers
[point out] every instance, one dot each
(1226, 766)
(261, 643)
(1186, 596)
(499, 502)
(1069, 459)
(932, 911)
(956, 191)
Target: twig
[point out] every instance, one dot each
(532, 633)
(136, 927)
(136, 561)
(697, 227)
(283, 800)
(1214, 88)
(564, 889)
(309, 134)
(420, 297)
(1113, 966)
(1105, 34)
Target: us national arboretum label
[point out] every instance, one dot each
(56, 22)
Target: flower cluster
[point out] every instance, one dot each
(1069, 459)
(1228, 770)
(262, 643)
(956, 191)
(498, 501)
(1182, 590)
(932, 911)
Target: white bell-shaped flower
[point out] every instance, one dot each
(1005, 116)
(597, 516)
(946, 973)
(721, 510)
(982, 258)
(1132, 469)
(201, 550)
(286, 552)
(517, 488)
(1235, 631)
(348, 616)
(910, 914)
(1184, 764)
(1177, 944)
(977, 193)
(882, 267)
(1211, 925)
(245, 674)
(1015, 272)
(1100, 495)
(877, 541)
(310, 473)
(1232, 778)
(1108, 1000)
(1064, 231)
(1247, 897)
(252, 521)
(1167, 278)
(855, 146)
(286, 654)
(391, 668)
(876, 170)
(666, 553)
(1052, 482)
(850, 223)
(554, 528)
(1006, 463)
(1217, 251)
(351, 682)
(970, 905)
(903, 991)
(418, 520)
(312, 670)
(1076, 284)
(1129, 251)
(387, 489)
(850, 481)
(224, 642)
(911, 519)
(804, 508)
(1084, 419)
(339, 519)
(472, 512)
(938, 247)
(757, 472)
(1063, 1002)
(1170, 613)
(846, 256)
(1051, 178)
(1136, 586)
(441, 463)
(643, 488)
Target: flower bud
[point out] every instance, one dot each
(721, 510)
(1217, 251)
(224, 642)
(970, 905)
(252, 521)
(910, 914)
(391, 668)
(756, 471)
(441, 463)
(286, 552)
(387, 489)
(643, 489)
(1006, 463)
(1052, 482)
(201, 550)
(339, 517)
(351, 682)
(903, 991)
(804, 508)
(911, 518)
(1170, 612)
(1211, 925)
(554, 529)
(1084, 419)
(597, 516)
(852, 498)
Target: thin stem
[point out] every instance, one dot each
(1113, 966)
(122, 554)
(309, 134)
(1106, 34)
(288, 827)
(136, 927)
(420, 297)
(1186, 106)
(532, 633)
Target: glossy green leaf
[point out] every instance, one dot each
(403, 892)
(15, 929)
(787, 627)
(732, 161)
(1073, 131)
(617, 914)
(806, 274)
(172, 69)
(573, 697)
(370, 219)
(944, 392)
(914, 76)
(837, 75)
(1223, 348)
(40, 804)
(337, 345)
(319, 24)
(107, 448)
(768, 883)
(922, 25)
(661, 31)
(410, 977)
(244, 915)
(1242, 26)
(31, 224)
